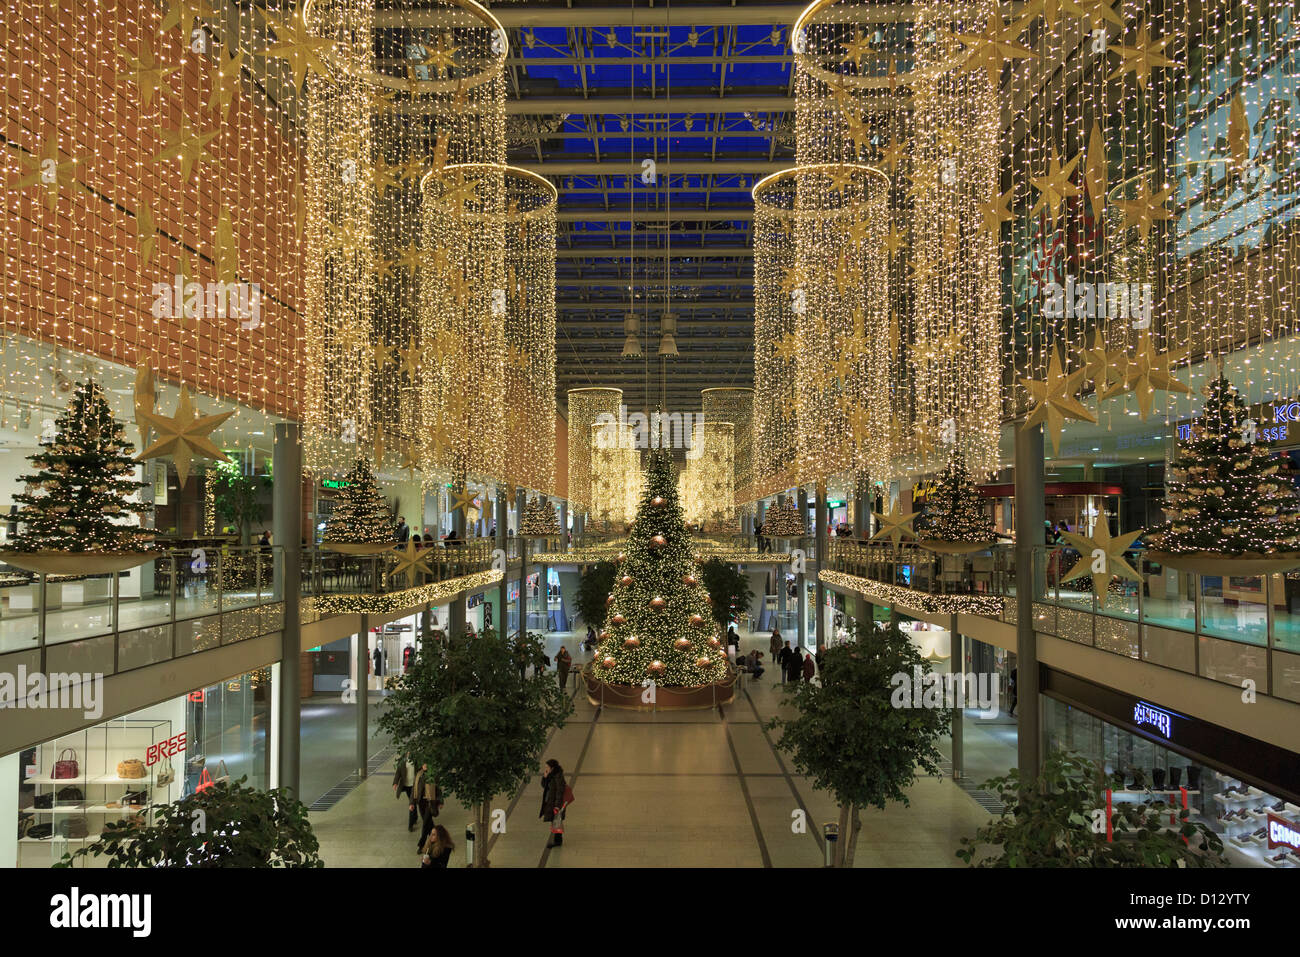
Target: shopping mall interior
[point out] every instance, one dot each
(753, 429)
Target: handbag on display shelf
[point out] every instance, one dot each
(70, 795)
(25, 823)
(223, 775)
(74, 827)
(166, 774)
(195, 763)
(43, 802)
(135, 798)
(205, 782)
(132, 769)
(66, 767)
(40, 832)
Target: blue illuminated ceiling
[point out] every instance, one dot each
(702, 91)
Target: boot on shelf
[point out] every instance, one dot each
(1175, 776)
(1193, 777)
(1157, 779)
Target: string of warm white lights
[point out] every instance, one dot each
(616, 477)
(736, 406)
(707, 482)
(585, 406)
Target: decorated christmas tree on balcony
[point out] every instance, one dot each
(660, 625)
(361, 521)
(77, 499)
(955, 512)
(1227, 496)
(539, 520)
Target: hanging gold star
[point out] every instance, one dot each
(1144, 209)
(1148, 372)
(895, 526)
(188, 145)
(841, 367)
(225, 82)
(52, 168)
(791, 281)
(1098, 11)
(410, 455)
(1238, 134)
(386, 176)
(1101, 365)
(1144, 56)
(859, 424)
(462, 191)
(442, 56)
(413, 169)
(892, 155)
(462, 499)
(182, 14)
(922, 270)
(1054, 400)
(859, 230)
(347, 238)
(408, 560)
(787, 347)
(1102, 551)
(146, 236)
(184, 436)
(144, 396)
(997, 211)
(993, 47)
(380, 355)
(1054, 187)
(441, 346)
(893, 241)
(410, 358)
(382, 268)
(297, 47)
(857, 47)
(1094, 170)
(439, 159)
(410, 258)
(859, 133)
(145, 69)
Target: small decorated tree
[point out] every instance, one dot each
(1227, 495)
(77, 499)
(361, 516)
(539, 519)
(955, 511)
(660, 625)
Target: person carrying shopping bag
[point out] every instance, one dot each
(556, 797)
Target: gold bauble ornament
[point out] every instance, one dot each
(626, 580)
(714, 642)
(658, 541)
(704, 663)
(607, 663)
(618, 619)
(690, 580)
(681, 644)
(655, 667)
(697, 620)
(633, 642)
(658, 500)
(609, 601)
(657, 603)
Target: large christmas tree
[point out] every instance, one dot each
(955, 511)
(361, 515)
(77, 499)
(660, 624)
(1226, 494)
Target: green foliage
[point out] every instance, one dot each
(1225, 494)
(78, 494)
(227, 825)
(465, 712)
(955, 511)
(1055, 823)
(238, 496)
(594, 588)
(848, 737)
(361, 515)
(660, 570)
(729, 588)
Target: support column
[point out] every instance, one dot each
(860, 508)
(523, 586)
(363, 697)
(1029, 533)
(957, 666)
(456, 609)
(800, 580)
(426, 623)
(501, 617)
(286, 498)
(822, 544)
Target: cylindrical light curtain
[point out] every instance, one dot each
(736, 406)
(530, 330)
(585, 406)
(775, 346)
(707, 480)
(338, 251)
(616, 476)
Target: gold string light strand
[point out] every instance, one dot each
(585, 407)
(736, 406)
(707, 481)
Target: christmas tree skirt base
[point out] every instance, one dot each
(75, 563)
(954, 548)
(1209, 563)
(358, 548)
(628, 697)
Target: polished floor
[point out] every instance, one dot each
(660, 790)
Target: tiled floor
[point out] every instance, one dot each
(684, 789)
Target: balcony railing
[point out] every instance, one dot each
(1233, 629)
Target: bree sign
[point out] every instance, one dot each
(1282, 833)
(165, 749)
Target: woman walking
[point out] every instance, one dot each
(438, 848)
(428, 800)
(553, 791)
(404, 782)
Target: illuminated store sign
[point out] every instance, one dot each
(1153, 717)
(1282, 833)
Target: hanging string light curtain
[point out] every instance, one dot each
(735, 406)
(707, 480)
(530, 330)
(775, 346)
(585, 407)
(616, 476)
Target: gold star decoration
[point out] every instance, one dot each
(184, 436)
(52, 168)
(410, 258)
(895, 526)
(859, 423)
(146, 236)
(1094, 170)
(1054, 400)
(409, 454)
(296, 47)
(1098, 11)
(857, 47)
(382, 268)
(225, 82)
(462, 499)
(1101, 365)
(182, 14)
(1103, 551)
(408, 560)
(1238, 134)
(413, 169)
(410, 358)
(1144, 209)
(858, 131)
(990, 49)
(893, 241)
(442, 346)
(380, 355)
(458, 193)
(439, 159)
(1148, 372)
(791, 281)
(842, 367)
(892, 155)
(1144, 56)
(787, 347)
(145, 69)
(442, 56)
(188, 145)
(144, 396)
(386, 176)
(1055, 186)
(997, 211)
